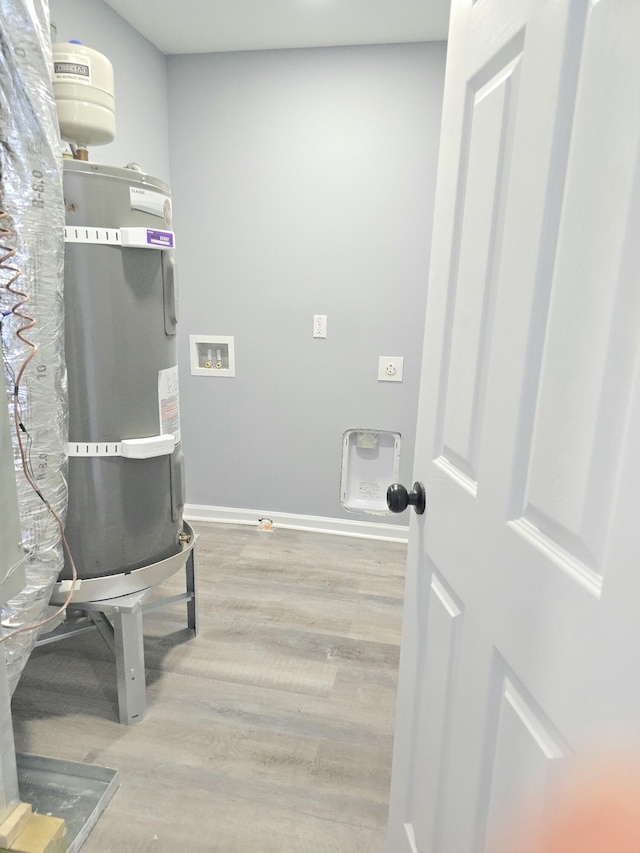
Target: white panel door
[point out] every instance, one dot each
(521, 636)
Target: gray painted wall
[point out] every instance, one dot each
(303, 184)
(140, 71)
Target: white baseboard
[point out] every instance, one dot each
(310, 523)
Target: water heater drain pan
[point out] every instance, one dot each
(112, 586)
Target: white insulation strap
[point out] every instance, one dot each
(135, 238)
(130, 448)
(102, 236)
(87, 448)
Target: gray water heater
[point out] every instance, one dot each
(126, 484)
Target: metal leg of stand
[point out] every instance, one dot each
(192, 592)
(129, 652)
(119, 623)
(104, 628)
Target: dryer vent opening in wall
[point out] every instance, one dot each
(370, 464)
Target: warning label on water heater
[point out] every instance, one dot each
(169, 402)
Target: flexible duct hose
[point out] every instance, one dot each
(32, 248)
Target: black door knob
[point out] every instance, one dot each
(398, 498)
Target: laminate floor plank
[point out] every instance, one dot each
(271, 731)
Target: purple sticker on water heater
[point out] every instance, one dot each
(160, 238)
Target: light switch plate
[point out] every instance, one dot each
(390, 368)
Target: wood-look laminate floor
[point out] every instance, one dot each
(271, 731)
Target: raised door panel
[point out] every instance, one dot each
(522, 752)
(431, 723)
(588, 340)
(491, 105)
(550, 66)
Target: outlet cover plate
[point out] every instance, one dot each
(319, 325)
(390, 368)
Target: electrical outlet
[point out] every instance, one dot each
(319, 325)
(390, 368)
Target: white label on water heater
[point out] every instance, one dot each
(169, 401)
(148, 201)
(72, 68)
(146, 238)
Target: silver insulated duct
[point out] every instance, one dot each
(31, 303)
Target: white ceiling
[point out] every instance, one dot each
(206, 26)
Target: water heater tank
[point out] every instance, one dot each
(83, 89)
(126, 492)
